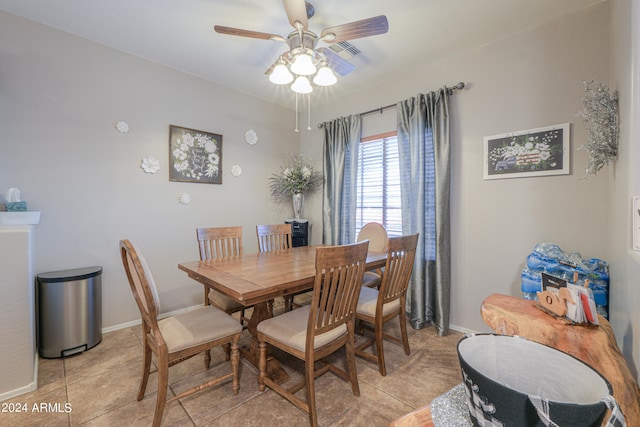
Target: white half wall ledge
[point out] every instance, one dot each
(20, 218)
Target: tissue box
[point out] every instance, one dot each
(16, 206)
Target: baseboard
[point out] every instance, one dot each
(33, 385)
(139, 321)
(463, 330)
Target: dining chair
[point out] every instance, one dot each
(315, 331)
(221, 242)
(378, 306)
(176, 338)
(274, 237)
(277, 237)
(377, 236)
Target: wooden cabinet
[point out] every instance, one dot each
(300, 231)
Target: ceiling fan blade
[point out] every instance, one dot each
(354, 30)
(296, 12)
(247, 33)
(270, 69)
(336, 62)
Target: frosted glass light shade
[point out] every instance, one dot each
(303, 65)
(325, 77)
(281, 75)
(302, 85)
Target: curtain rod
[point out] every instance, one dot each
(451, 89)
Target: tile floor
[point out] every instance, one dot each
(100, 387)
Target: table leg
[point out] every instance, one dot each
(252, 354)
(207, 353)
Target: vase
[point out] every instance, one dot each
(298, 204)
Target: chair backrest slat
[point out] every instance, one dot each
(219, 242)
(273, 237)
(339, 271)
(397, 272)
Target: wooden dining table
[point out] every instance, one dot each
(254, 279)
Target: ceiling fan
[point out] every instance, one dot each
(303, 58)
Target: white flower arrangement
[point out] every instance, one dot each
(297, 176)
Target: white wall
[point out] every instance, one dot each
(625, 181)
(530, 80)
(59, 98)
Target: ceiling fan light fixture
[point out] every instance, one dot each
(302, 85)
(325, 77)
(281, 74)
(303, 64)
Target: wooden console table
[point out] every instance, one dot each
(594, 345)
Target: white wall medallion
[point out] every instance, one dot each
(122, 127)
(150, 164)
(236, 170)
(251, 137)
(184, 198)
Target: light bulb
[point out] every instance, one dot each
(303, 65)
(325, 77)
(281, 75)
(302, 85)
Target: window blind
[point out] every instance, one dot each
(378, 185)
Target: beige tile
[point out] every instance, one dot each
(50, 370)
(102, 385)
(372, 408)
(117, 349)
(106, 391)
(140, 414)
(264, 409)
(39, 408)
(50, 374)
(207, 405)
(425, 378)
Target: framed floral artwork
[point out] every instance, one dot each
(532, 152)
(194, 156)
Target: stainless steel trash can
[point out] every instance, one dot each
(69, 311)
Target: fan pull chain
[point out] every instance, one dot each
(309, 112)
(296, 129)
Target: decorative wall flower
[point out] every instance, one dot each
(251, 137)
(184, 198)
(150, 164)
(236, 170)
(122, 127)
(296, 176)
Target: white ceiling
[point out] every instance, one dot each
(180, 35)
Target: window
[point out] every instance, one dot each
(378, 185)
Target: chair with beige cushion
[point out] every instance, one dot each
(378, 306)
(275, 237)
(176, 338)
(221, 242)
(377, 236)
(315, 331)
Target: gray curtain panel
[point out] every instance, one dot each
(424, 150)
(340, 157)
